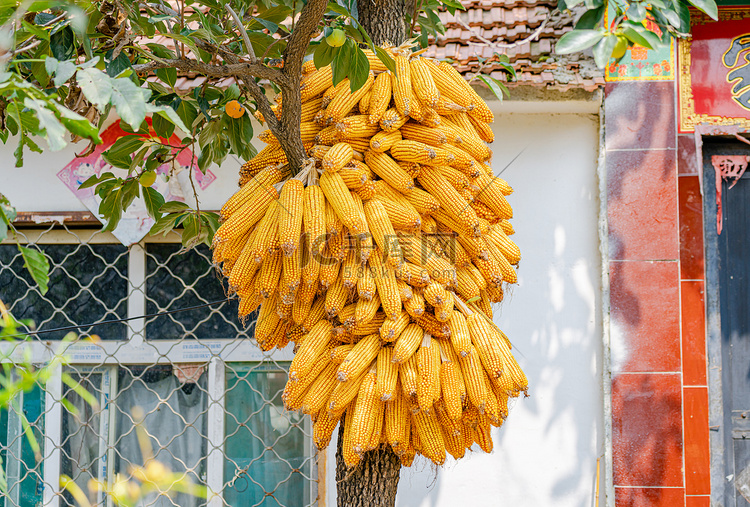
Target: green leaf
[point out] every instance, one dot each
(78, 125)
(163, 127)
(173, 207)
(324, 54)
(96, 86)
(129, 101)
(496, 87)
(167, 113)
(37, 265)
(603, 50)
(63, 44)
(591, 18)
(169, 76)
(95, 180)
(384, 57)
(154, 201)
(163, 225)
(54, 132)
(636, 38)
(119, 154)
(359, 68)
(110, 209)
(341, 62)
(637, 12)
(578, 40)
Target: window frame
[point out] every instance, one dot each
(106, 355)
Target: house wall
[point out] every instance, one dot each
(659, 395)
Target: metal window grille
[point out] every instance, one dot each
(211, 398)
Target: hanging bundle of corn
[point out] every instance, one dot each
(380, 261)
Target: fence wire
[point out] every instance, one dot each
(194, 382)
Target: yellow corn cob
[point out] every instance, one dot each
(491, 194)
(382, 141)
(387, 168)
(363, 411)
(505, 245)
(336, 297)
(509, 274)
(360, 357)
(404, 290)
(382, 231)
(482, 129)
(471, 369)
(457, 81)
(364, 103)
(449, 372)
(446, 107)
(380, 98)
(401, 84)
(366, 284)
(354, 177)
(269, 156)
(328, 137)
(308, 67)
(401, 217)
(266, 324)
(341, 200)
(252, 190)
(318, 151)
(248, 305)
(354, 128)
(370, 327)
(242, 221)
(387, 375)
(329, 269)
(411, 168)
(449, 353)
(316, 83)
(422, 82)
(408, 372)
(295, 389)
(376, 429)
(430, 436)
(243, 271)
(418, 276)
(416, 110)
(302, 302)
(444, 312)
(350, 269)
(312, 346)
(430, 324)
(290, 215)
(385, 280)
(366, 310)
(325, 423)
(315, 230)
(351, 458)
(422, 201)
(465, 285)
(425, 365)
(338, 354)
(269, 274)
(435, 294)
(407, 343)
(392, 328)
(308, 131)
(392, 120)
(366, 191)
(292, 273)
(431, 118)
(423, 134)
(320, 390)
(450, 200)
(331, 92)
(415, 306)
(345, 101)
(337, 157)
(452, 433)
(484, 437)
(413, 151)
(494, 294)
(484, 211)
(317, 312)
(397, 423)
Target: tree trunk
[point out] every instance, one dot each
(372, 483)
(384, 20)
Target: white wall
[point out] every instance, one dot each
(545, 454)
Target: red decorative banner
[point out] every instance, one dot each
(715, 71)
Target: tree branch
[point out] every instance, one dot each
(255, 69)
(241, 28)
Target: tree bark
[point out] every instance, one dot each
(372, 483)
(384, 20)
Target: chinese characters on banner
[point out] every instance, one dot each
(714, 72)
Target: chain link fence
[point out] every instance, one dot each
(210, 399)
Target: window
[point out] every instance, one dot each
(211, 398)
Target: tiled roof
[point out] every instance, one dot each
(487, 27)
(506, 27)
